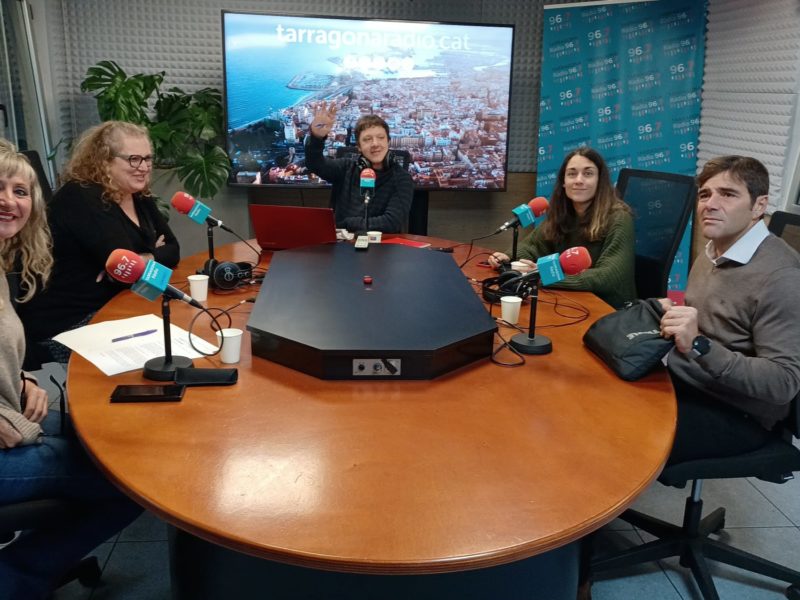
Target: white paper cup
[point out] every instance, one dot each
(198, 287)
(509, 308)
(374, 237)
(520, 266)
(231, 345)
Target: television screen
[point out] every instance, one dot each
(443, 89)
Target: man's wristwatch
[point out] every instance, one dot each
(700, 347)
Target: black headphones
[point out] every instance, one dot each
(508, 283)
(228, 275)
(362, 163)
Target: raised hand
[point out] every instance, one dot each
(323, 119)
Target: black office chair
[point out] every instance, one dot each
(787, 226)
(662, 204)
(35, 354)
(775, 462)
(41, 175)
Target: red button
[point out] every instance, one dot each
(367, 280)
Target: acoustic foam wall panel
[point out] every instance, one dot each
(183, 38)
(751, 84)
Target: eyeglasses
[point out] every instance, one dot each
(136, 160)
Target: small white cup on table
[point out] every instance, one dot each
(198, 287)
(231, 340)
(509, 309)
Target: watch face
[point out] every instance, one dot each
(701, 345)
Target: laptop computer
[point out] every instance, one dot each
(281, 227)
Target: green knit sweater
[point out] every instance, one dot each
(611, 276)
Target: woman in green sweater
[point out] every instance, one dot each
(585, 211)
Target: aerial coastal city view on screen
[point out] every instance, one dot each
(443, 89)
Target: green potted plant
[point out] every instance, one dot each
(186, 129)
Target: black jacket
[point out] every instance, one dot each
(389, 207)
(86, 229)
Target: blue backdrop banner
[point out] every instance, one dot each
(624, 79)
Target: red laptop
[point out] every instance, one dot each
(281, 227)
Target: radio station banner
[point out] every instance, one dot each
(624, 79)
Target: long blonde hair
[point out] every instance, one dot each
(92, 156)
(33, 244)
(599, 216)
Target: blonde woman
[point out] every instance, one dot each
(35, 463)
(24, 240)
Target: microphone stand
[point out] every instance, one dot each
(366, 212)
(514, 240)
(530, 343)
(211, 263)
(162, 368)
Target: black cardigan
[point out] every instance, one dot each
(388, 209)
(86, 229)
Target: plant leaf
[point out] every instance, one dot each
(204, 174)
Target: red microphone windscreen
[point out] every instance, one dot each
(575, 260)
(182, 202)
(539, 205)
(367, 174)
(125, 265)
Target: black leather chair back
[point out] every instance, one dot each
(787, 226)
(401, 157)
(41, 175)
(662, 204)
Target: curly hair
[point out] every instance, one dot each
(92, 156)
(32, 244)
(598, 217)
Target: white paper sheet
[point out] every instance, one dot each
(94, 343)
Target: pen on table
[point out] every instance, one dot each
(134, 335)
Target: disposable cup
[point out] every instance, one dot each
(509, 308)
(231, 340)
(198, 287)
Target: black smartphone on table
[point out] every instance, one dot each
(148, 393)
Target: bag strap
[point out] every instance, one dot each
(652, 305)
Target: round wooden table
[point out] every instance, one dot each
(481, 467)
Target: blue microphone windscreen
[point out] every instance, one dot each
(550, 270)
(153, 281)
(199, 212)
(525, 215)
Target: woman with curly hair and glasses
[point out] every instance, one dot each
(105, 204)
(40, 457)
